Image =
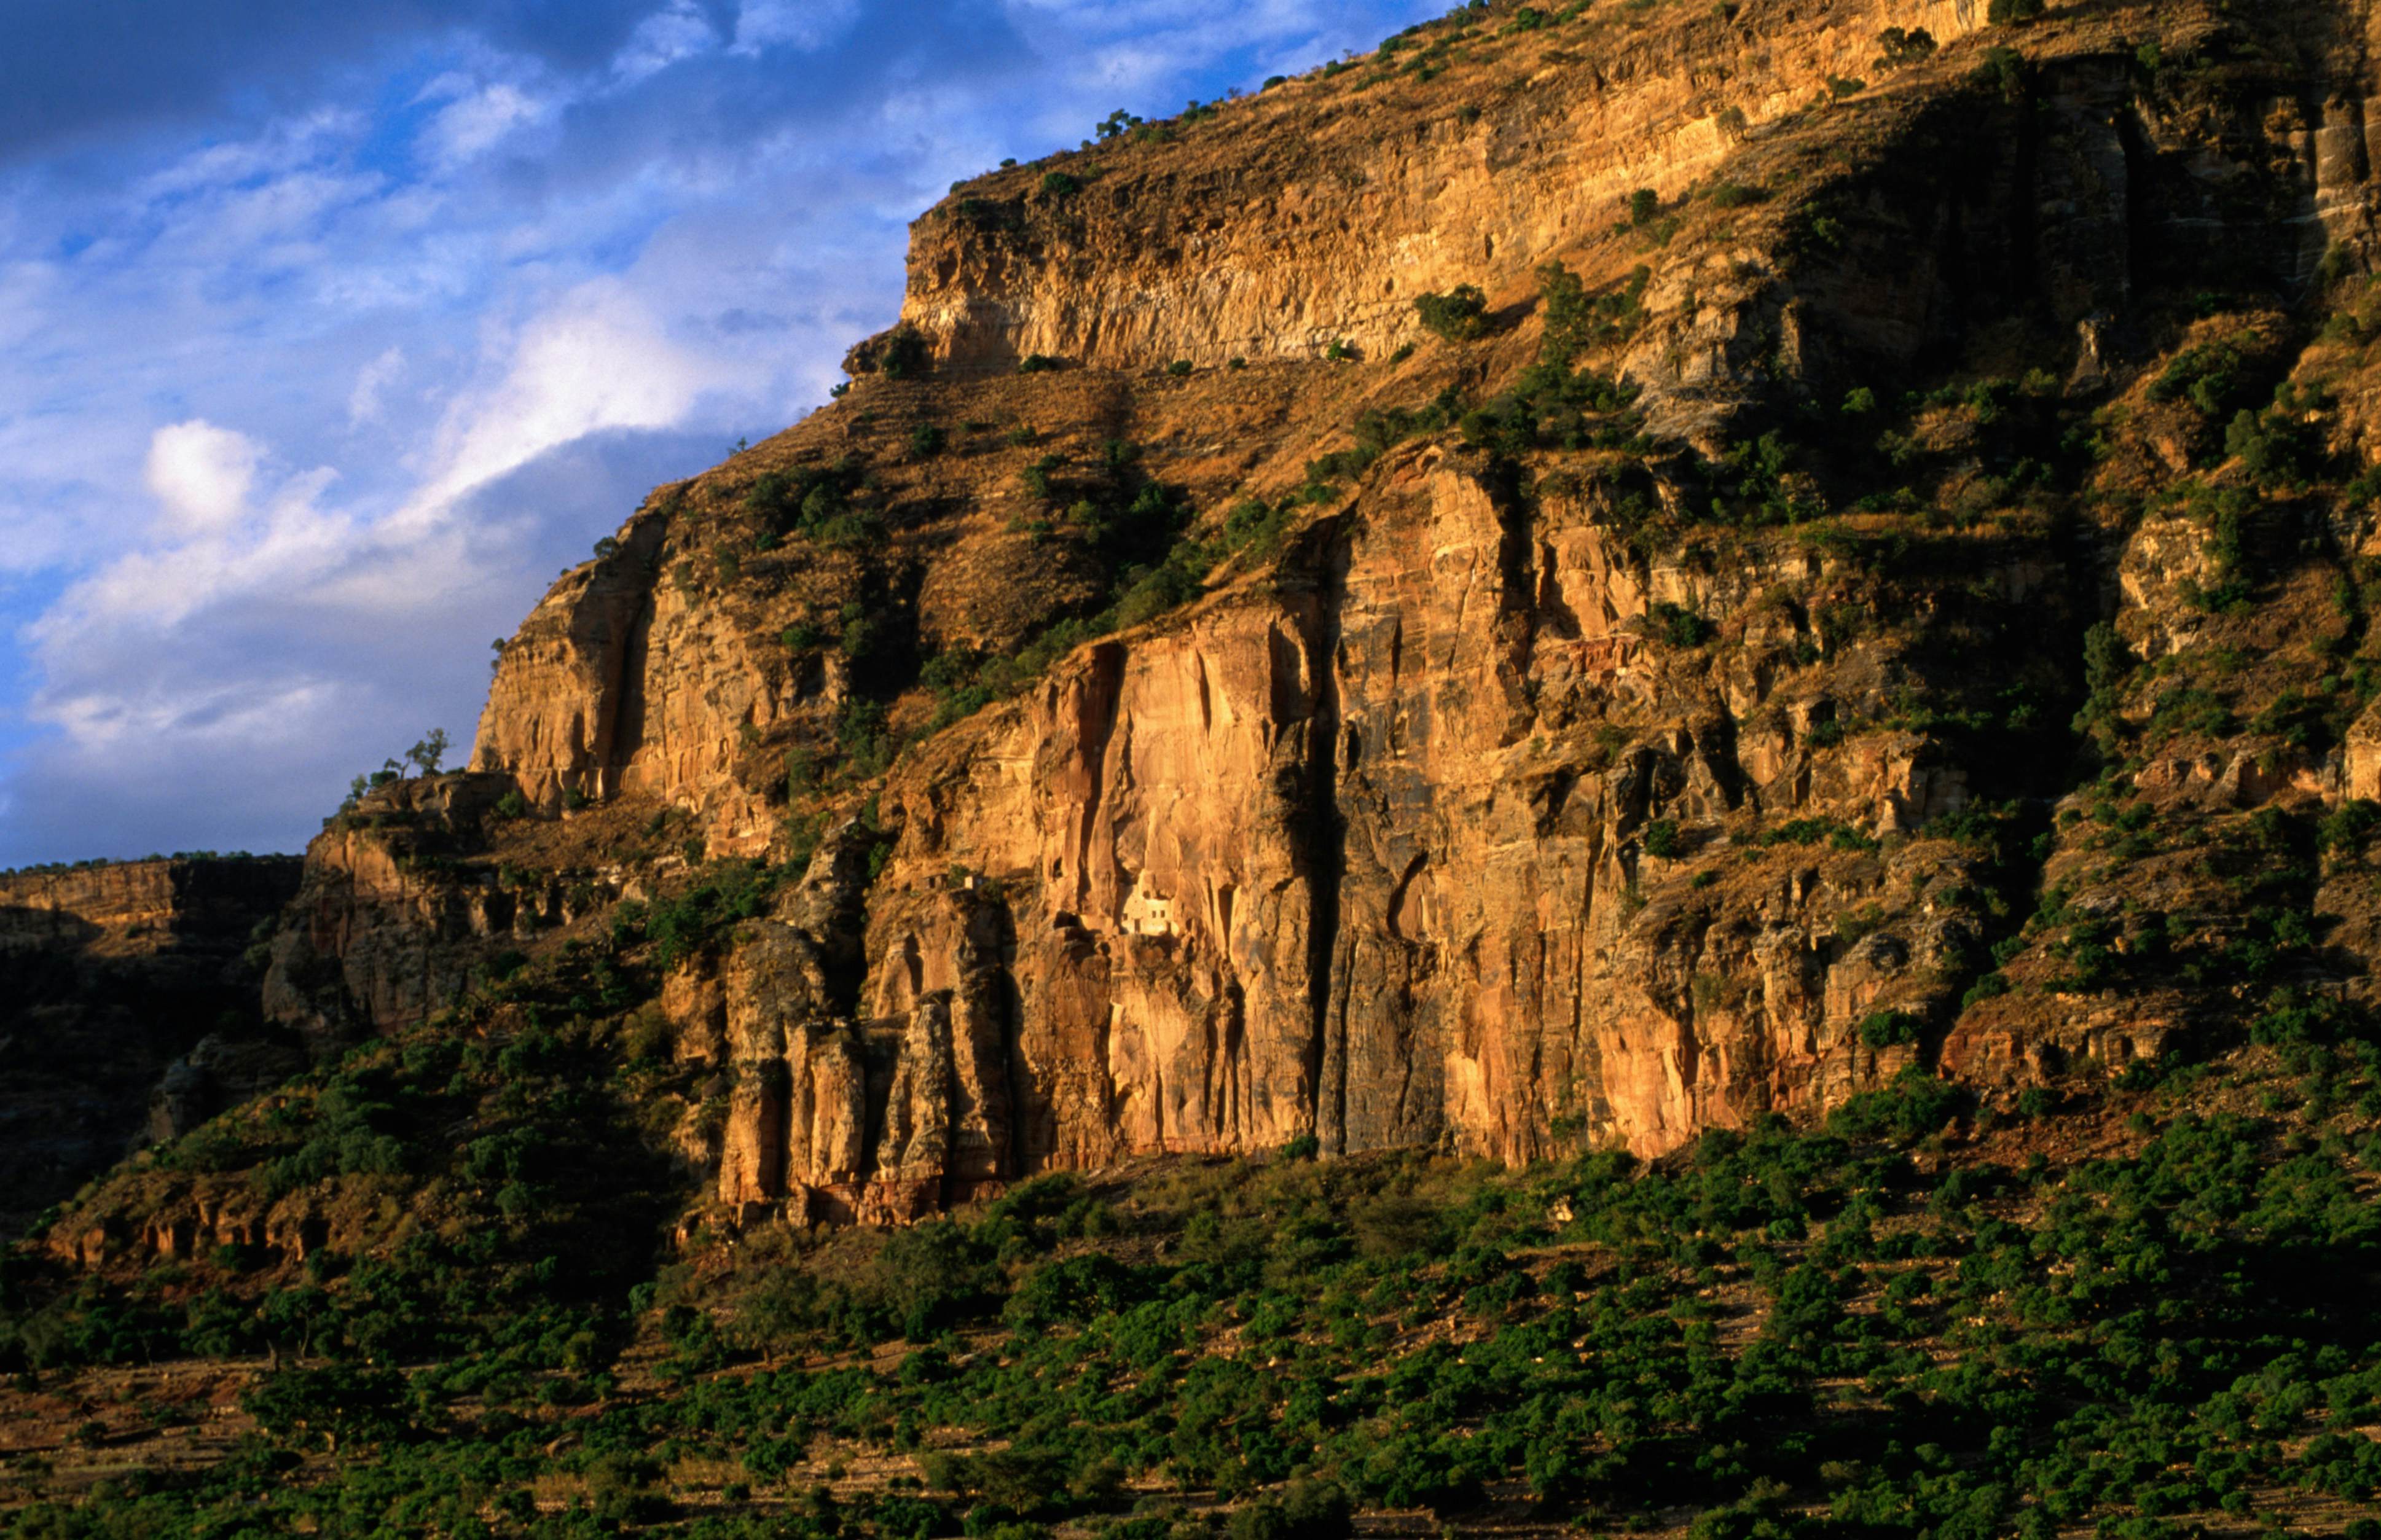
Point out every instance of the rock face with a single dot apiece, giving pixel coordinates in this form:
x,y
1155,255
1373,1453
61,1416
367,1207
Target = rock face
x,y
387,928
1330,860
1513,794
129,1011
1304,219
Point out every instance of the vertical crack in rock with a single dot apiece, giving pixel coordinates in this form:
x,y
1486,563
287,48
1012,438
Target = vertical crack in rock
x,y
1326,837
1012,1148
627,731
1096,730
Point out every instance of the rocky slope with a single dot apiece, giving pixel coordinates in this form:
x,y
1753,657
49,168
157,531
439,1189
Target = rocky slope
x,y
1819,612
130,1011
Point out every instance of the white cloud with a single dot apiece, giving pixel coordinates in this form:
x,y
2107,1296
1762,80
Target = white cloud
x,y
201,475
281,146
477,122
804,24
601,358
662,40
209,547
363,401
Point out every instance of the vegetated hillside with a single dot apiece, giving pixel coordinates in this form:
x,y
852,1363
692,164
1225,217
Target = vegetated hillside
x,y
1614,771
2142,1306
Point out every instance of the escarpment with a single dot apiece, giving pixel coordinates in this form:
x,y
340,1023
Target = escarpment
x,y
1312,217
1316,213
1859,608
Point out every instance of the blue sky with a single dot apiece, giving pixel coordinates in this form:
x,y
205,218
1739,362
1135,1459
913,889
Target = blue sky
x,y
331,332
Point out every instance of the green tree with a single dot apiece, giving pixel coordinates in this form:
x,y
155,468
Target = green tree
x,y
341,1402
427,754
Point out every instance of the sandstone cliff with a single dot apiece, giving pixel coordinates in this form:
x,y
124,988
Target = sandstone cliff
x,y
1318,214
1645,708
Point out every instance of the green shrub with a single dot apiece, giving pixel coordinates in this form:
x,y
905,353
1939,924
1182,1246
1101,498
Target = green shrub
x,y
2003,70
1375,430
1883,1029
2107,663
904,355
2276,447
822,504
1040,477
1574,318
2210,377
1020,1481
1680,626
1394,1226
1913,1106
730,892
1075,1289
1900,48
1305,1511
1459,316
1832,833
2351,827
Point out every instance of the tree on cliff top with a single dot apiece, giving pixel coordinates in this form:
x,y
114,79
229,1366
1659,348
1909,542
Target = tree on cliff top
x,y
426,755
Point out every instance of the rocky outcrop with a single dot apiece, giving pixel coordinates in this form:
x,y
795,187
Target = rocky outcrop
x,y
126,997
561,715
887,1118
1316,214
187,1220
627,680
1312,217
388,928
